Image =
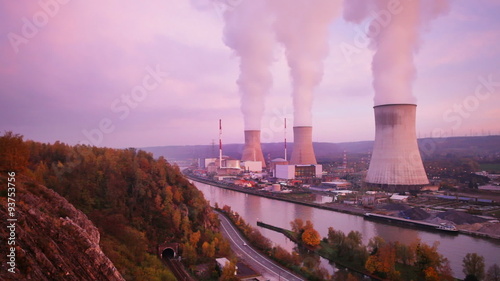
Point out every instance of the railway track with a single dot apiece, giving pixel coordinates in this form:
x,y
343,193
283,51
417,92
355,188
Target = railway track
x,y
177,269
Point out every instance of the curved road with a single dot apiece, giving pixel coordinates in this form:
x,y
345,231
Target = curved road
x,y
268,268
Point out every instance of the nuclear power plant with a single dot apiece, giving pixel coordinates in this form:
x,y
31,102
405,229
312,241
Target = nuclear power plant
x,y
396,164
252,151
303,152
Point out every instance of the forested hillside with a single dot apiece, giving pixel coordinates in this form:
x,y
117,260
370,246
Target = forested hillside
x,y
136,202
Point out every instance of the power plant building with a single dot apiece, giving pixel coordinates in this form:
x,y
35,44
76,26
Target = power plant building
x,y
274,163
252,166
396,164
289,172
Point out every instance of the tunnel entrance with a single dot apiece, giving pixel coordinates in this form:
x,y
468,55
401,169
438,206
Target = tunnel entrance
x,y
168,253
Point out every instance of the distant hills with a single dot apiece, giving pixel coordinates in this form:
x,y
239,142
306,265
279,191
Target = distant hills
x,y
430,148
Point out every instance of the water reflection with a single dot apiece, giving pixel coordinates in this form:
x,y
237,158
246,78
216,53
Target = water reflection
x,y
392,233
280,213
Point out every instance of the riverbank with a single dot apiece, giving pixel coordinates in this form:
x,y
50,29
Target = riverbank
x,y
336,207
280,196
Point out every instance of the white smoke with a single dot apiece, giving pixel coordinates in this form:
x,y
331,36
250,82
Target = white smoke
x,y
395,32
302,27
248,31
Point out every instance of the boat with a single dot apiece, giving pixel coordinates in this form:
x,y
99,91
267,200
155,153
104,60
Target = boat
x,y
447,227
441,227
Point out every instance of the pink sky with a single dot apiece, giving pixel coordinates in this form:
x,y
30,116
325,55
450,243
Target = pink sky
x,y
151,73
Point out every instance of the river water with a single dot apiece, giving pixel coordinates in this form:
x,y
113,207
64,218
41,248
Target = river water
x,y
279,213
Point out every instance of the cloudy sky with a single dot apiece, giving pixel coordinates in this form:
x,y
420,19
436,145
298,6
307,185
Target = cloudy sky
x,y
123,73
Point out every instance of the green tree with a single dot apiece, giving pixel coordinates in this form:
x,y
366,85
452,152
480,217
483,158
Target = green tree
x,y
473,264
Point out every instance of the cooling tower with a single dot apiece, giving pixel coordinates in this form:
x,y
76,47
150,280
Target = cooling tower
x,y
396,164
303,152
252,151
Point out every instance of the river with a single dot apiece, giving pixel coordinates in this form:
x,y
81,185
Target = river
x,y
280,213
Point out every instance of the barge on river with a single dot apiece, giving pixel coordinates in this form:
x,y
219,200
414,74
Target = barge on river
x,y
391,219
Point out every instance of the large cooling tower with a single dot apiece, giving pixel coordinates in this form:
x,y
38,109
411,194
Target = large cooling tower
x,y
252,151
396,163
303,152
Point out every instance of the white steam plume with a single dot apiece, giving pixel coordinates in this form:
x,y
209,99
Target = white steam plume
x,y
395,30
302,27
248,31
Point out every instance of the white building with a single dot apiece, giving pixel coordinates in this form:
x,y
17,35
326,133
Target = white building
x,y
289,172
252,166
222,262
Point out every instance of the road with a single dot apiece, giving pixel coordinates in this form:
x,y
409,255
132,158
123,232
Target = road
x,y
262,264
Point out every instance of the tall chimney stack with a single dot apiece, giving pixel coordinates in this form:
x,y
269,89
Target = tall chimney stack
x,y
252,151
303,152
396,164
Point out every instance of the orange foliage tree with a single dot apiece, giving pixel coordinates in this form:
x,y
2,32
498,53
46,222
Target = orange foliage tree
x,y
383,262
311,237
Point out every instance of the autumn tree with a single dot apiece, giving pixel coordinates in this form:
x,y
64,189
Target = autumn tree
x,y
208,249
375,243
404,254
14,153
229,272
493,273
297,225
383,262
285,257
132,198
311,237
473,265
427,257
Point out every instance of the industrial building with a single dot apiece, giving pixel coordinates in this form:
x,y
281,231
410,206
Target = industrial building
x,y
288,172
251,166
274,163
396,164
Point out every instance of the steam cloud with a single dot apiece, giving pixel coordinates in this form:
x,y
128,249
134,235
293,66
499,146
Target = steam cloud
x,y
395,34
248,31
302,27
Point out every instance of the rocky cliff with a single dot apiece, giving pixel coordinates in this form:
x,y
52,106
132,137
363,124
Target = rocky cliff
x,y
49,238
